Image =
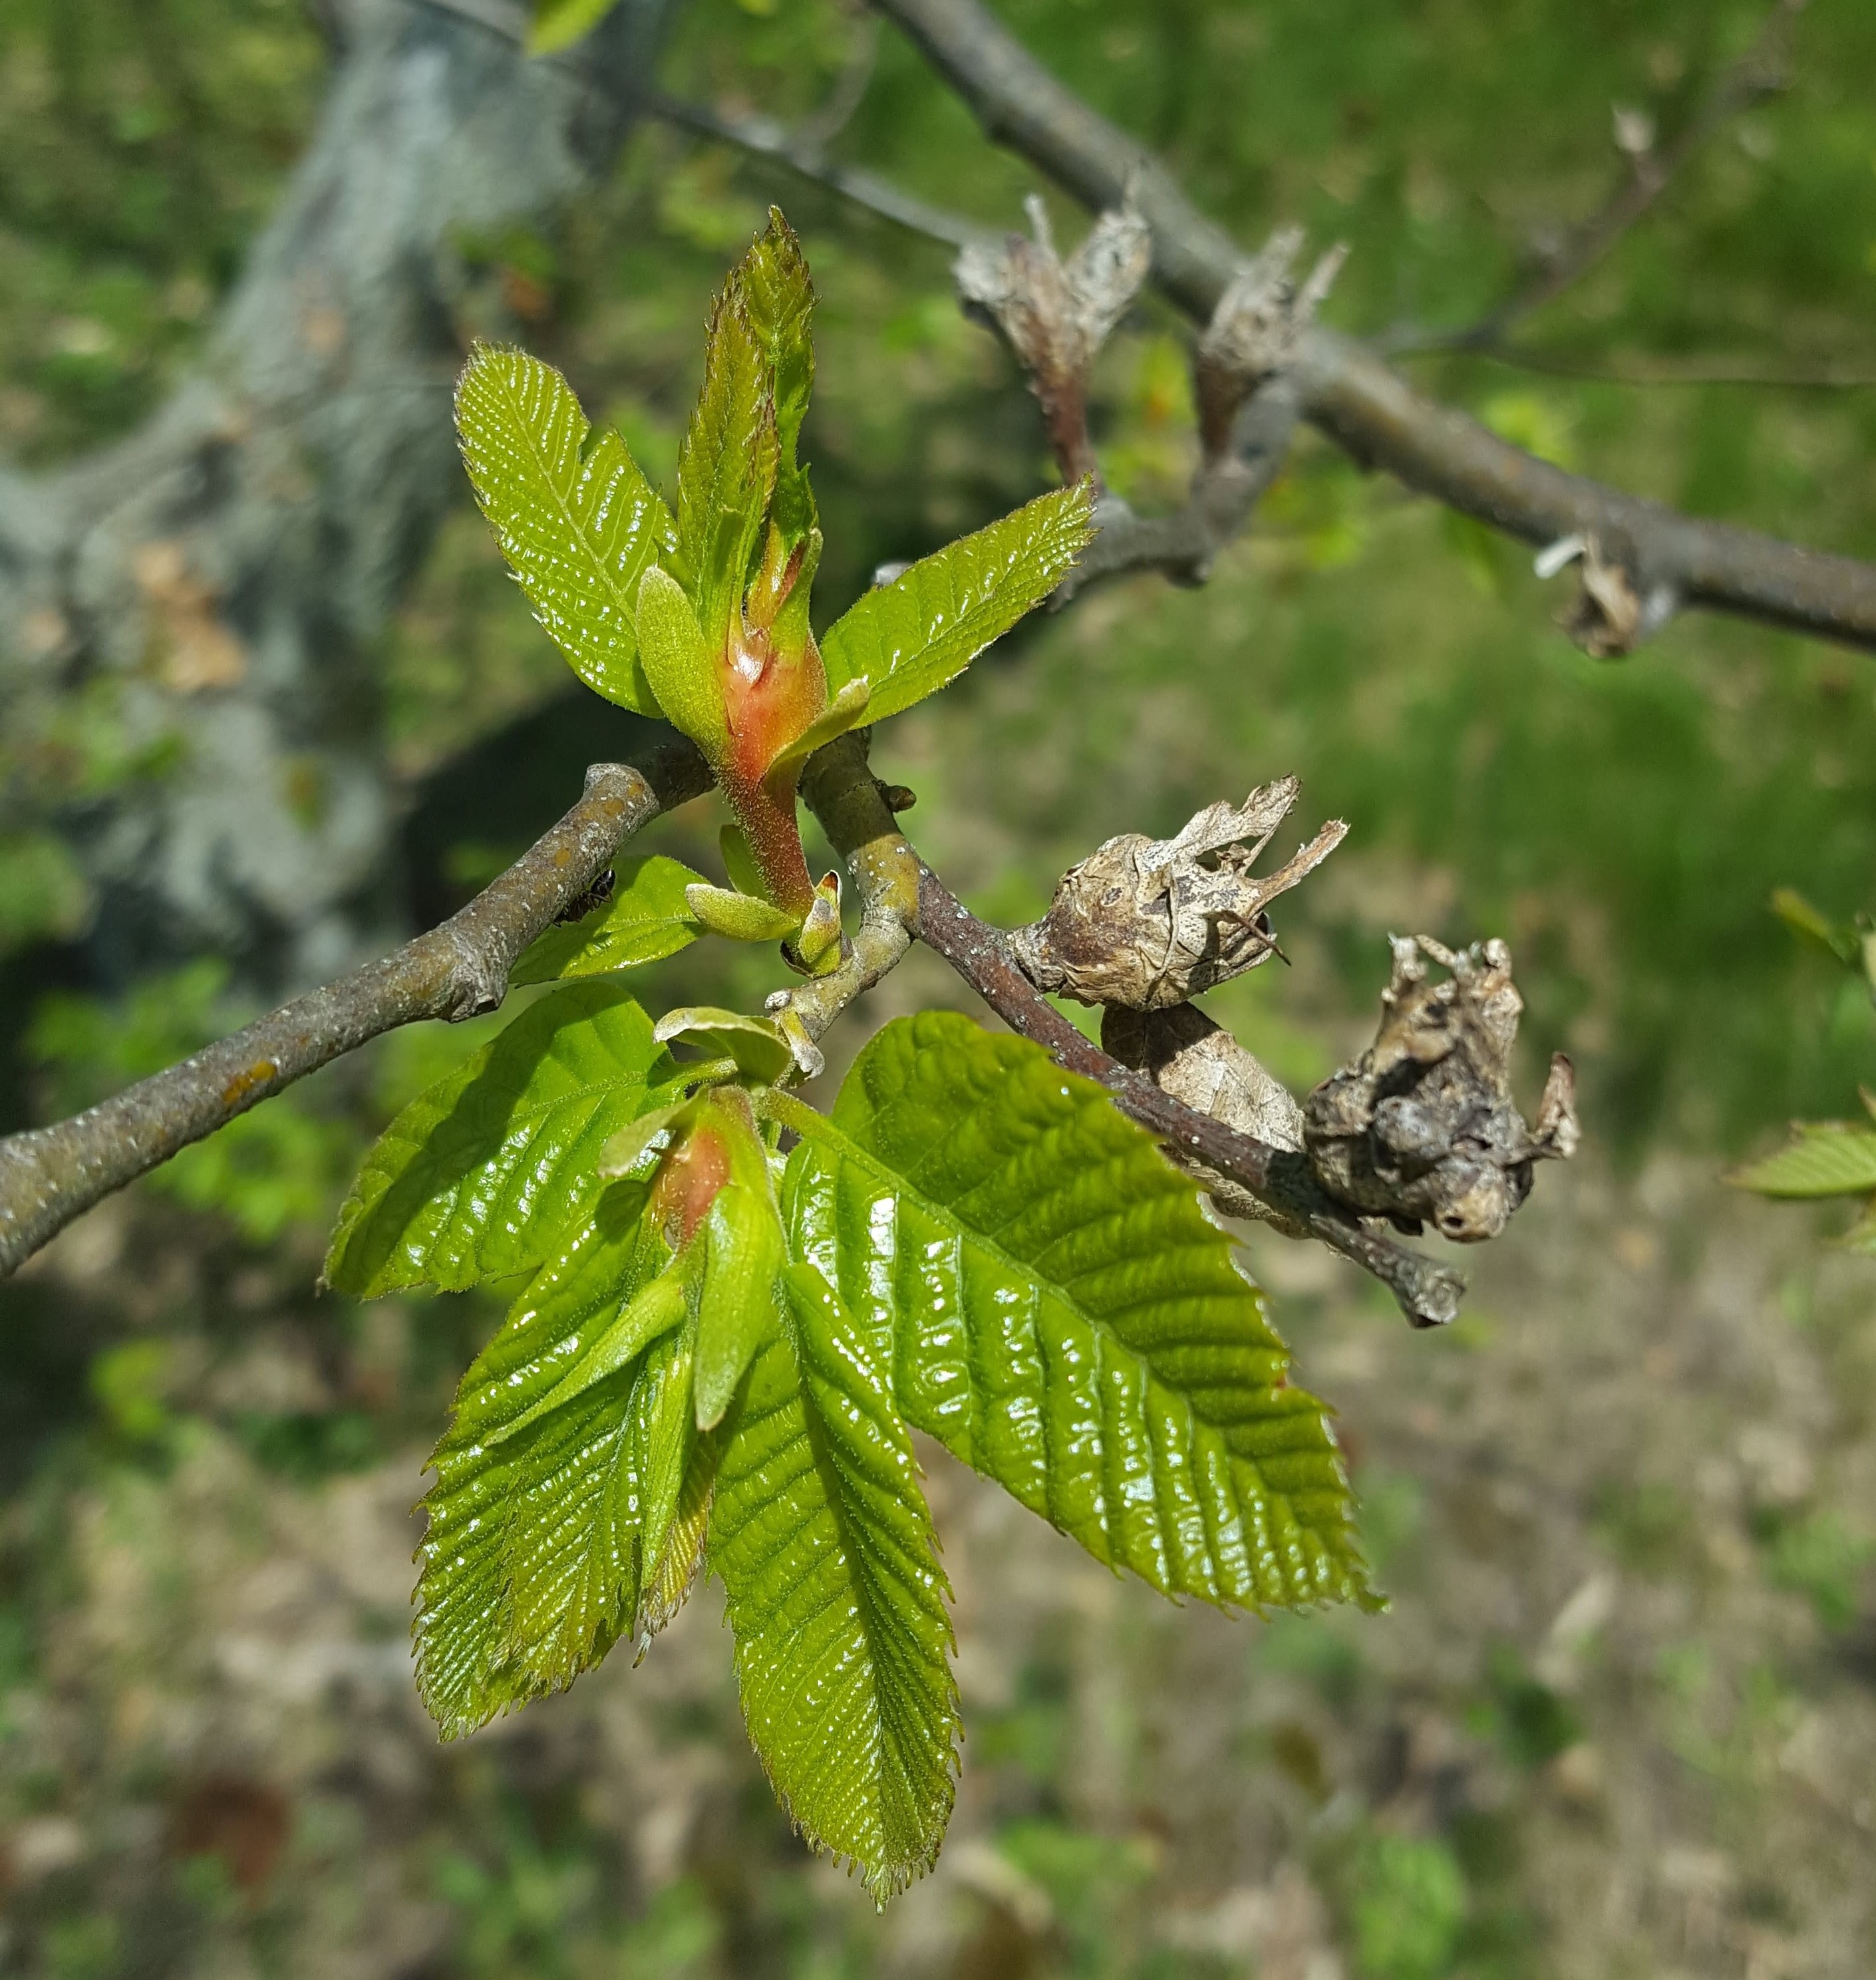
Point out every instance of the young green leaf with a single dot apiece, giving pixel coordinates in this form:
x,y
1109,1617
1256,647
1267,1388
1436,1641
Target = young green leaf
x,y
848,709
680,1490
531,1563
825,1546
743,1257
1062,1314
758,1046
574,517
906,639
650,1313
645,918
558,23
738,863
483,1175
686,676
738,917
1826,1159
727,471
779,299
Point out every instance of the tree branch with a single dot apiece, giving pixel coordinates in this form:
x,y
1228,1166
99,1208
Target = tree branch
x,y
806,158
48,1175
1356,399
1429,1293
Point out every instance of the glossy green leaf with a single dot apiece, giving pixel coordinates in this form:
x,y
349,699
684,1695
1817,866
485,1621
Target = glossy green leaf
x,y
743,1257
532,1560
480,1176
644,919
822,1536
1063,1315
727,470
909,638
558,23
647,1316
1826,1159
633,1143
686,676
574,517
680,1491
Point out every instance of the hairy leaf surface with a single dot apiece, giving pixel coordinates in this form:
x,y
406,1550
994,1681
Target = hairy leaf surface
x,y
483,1175
1062,1314
727,471
825,1545
534,1559
1827,1159
909,638
780,301
644,919
575,518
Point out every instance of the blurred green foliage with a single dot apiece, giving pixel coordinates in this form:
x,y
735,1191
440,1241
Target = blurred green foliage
x,y
1407,1902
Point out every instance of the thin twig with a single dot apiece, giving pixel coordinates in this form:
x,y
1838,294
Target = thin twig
x,y
1694,371
805,158
48,1175
1759,73
1183,546
1429,1293
1354,398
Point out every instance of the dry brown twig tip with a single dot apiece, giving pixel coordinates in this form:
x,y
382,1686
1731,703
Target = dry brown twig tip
x,y
1257,329
1422,1128
1146,924
1056,315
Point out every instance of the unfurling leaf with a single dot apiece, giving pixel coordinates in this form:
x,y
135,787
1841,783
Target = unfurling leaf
x,y
532,1560
823,1539
644,919
685,674
738,863
848,709
1827,1159
758,1046
742,1257
817,947
738,917
727,471
1061,1314
483,1174
779,299
575,518
908,639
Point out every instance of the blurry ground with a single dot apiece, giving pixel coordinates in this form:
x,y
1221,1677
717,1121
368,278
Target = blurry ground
x,y
1621,1718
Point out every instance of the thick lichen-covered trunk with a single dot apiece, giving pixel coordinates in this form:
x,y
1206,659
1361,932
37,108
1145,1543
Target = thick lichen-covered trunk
x,y
218,581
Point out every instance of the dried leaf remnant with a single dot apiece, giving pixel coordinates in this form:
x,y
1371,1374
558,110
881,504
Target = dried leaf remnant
x,y
1422,1128
1146,924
